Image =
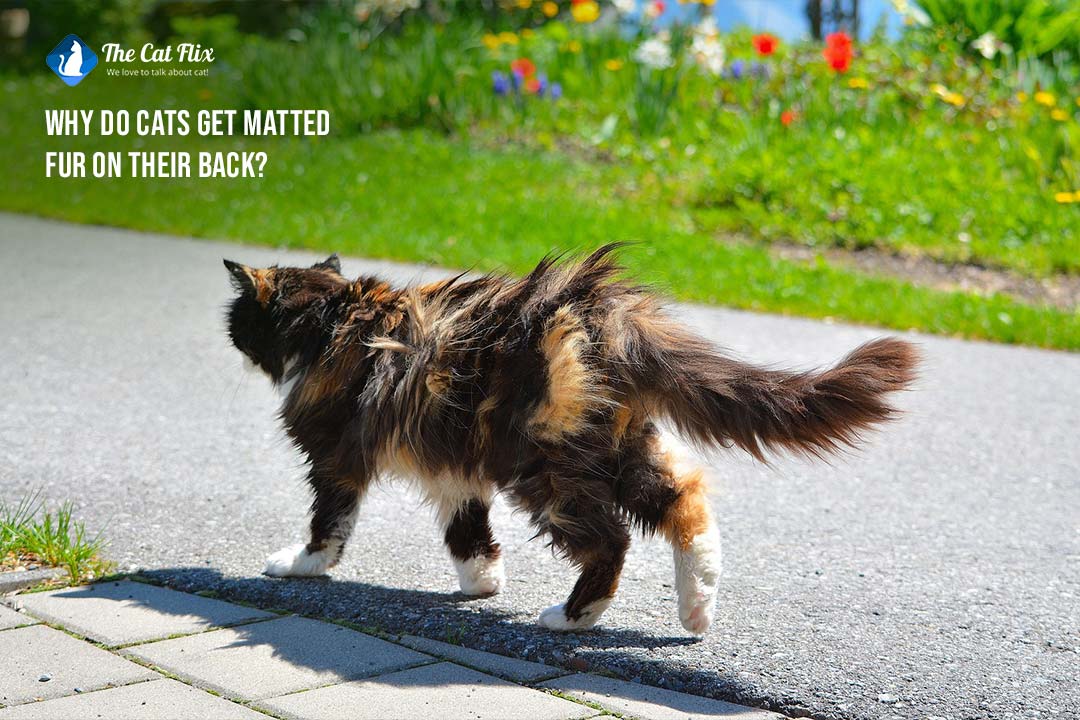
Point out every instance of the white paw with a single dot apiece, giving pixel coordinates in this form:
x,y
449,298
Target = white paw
x,y
480,575
697,579
554,618
296,561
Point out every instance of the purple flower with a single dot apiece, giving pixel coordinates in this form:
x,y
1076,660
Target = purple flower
x,y
737,69
556,91
500,83
542,78
760,70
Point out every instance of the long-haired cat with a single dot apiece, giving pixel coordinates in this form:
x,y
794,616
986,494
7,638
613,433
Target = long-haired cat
x,y
546,389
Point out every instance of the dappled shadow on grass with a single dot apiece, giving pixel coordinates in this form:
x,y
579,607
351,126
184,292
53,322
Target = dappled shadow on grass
x,y
454,617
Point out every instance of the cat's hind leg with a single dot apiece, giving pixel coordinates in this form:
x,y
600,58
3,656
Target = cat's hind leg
x,y
663,492
476,555
333,514
592,535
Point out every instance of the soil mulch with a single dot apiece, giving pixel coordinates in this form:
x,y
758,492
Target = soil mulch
x,y
1060,291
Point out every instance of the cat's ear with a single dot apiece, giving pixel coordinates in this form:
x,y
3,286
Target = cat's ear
x,y
331,263
241,275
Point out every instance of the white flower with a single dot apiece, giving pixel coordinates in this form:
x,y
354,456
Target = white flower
x,y
654,53
912,14
707,28
708,53
988,45
653,9
624,7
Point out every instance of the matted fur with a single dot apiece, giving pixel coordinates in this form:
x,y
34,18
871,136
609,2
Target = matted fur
x,y
545,388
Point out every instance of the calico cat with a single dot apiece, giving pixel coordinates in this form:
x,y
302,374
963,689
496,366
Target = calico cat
x,y
546,389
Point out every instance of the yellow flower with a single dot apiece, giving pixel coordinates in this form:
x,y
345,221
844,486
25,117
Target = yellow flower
x,y
1044,98
526,33
858,82
550,9
491,42
953,98
524,4
1078,102
1067,197
1059,114
613,64
508,38
573,46
1021,97
585,12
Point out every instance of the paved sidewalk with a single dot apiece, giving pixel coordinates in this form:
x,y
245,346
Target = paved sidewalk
x,y
125,649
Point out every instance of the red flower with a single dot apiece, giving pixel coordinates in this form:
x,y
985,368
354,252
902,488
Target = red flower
x,y
523,68
765,44
838,52
838,39
787,117
533,85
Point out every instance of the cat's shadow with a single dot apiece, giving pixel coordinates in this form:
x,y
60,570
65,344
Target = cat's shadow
x,y
651,659
436,615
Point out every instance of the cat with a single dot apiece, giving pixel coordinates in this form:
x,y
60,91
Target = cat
x,y
72,67
546,389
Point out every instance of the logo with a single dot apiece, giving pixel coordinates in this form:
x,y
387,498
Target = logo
x,y
72,60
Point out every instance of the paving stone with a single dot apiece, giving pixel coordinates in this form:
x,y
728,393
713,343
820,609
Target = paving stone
x,y
22,579
650,703
162,699
31,653
11,619
521,671
118,613
444,690
276,657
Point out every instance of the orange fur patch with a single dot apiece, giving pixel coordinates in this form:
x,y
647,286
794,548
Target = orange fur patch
x,y
570,392
482,435
627,420
437,381
263,280
688,516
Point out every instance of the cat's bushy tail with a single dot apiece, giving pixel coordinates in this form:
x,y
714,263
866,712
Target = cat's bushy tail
x,y
713,399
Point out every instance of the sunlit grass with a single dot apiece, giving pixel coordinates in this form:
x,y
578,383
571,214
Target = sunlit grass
x,y
32,534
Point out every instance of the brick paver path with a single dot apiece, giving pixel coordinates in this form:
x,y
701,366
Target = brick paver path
x,y
126,649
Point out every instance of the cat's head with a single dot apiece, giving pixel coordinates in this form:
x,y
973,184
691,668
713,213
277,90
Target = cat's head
x,y
266,318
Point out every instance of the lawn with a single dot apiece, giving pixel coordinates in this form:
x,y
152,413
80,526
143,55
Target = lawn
x,y
429,162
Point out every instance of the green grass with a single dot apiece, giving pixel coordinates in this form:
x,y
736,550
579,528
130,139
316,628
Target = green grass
x,y
52,537
420,196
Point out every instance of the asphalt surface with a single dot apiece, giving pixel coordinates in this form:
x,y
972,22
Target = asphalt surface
x,y
936,573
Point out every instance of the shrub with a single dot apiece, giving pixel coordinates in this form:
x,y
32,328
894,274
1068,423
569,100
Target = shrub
x,y
1030,27
411,73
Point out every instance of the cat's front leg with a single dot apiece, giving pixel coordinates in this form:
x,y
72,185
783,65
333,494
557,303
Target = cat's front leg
x,y
476,555
333,514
